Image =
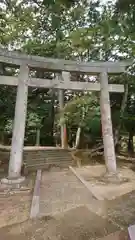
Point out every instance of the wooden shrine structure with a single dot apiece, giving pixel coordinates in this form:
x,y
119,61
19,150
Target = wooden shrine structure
x,y
62,69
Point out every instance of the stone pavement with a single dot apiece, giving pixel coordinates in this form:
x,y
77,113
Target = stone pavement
x,y
67,203
75,224
75,214
68,212
61,191
80,224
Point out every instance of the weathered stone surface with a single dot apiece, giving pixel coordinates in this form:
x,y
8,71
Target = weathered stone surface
x,y
13,181
61,64
107,132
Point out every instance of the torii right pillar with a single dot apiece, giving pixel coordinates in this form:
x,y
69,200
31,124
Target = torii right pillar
x,y
107,131
63,125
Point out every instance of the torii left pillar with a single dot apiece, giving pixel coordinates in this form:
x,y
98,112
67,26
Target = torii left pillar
x,y
16,155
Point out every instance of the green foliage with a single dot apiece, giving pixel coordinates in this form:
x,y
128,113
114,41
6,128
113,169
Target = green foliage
x,y
33,121
123,5
93,126
70,30
81,111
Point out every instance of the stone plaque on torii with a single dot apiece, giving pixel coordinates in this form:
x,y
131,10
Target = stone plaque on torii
x,y
62,81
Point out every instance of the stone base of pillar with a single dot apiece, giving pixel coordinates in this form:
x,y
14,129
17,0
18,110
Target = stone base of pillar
x,y
13,183
114,178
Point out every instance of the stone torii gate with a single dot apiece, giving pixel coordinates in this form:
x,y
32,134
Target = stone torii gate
x,y
63,68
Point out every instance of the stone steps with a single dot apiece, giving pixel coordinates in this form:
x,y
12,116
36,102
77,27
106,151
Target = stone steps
x,y
42,158
48,158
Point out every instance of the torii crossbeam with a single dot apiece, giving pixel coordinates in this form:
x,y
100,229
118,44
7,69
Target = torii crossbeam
x,y
63,68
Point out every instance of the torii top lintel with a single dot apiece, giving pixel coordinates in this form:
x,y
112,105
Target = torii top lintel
x,y
16,58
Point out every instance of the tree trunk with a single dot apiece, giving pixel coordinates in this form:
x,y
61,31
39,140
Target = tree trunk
x,y
78,135
52,115
38,137
130,143
65,138
123,106
109,150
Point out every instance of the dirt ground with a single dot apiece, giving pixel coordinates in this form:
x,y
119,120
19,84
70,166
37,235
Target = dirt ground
x,y
15,205
76,224
14,209
110,191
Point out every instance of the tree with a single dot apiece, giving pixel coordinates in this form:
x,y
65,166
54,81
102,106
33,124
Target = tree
x,y
79,113
71,30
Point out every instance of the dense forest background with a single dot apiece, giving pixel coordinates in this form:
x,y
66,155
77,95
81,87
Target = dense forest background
x,y
78,30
